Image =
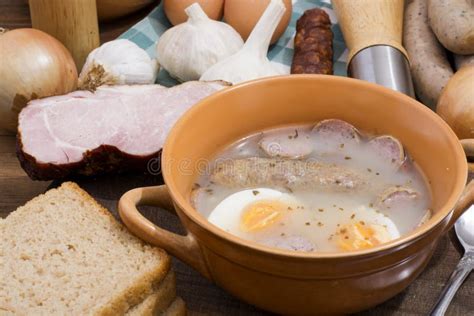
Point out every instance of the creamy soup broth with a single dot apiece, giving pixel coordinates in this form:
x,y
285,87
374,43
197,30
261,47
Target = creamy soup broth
x,y
333,189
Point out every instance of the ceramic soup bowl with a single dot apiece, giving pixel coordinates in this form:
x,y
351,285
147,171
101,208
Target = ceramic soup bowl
x,y
290,282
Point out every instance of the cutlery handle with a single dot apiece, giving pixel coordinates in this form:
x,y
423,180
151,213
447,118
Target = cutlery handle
x,y
458,276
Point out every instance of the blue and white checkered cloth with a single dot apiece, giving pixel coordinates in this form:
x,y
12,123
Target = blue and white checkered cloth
x,y
146,32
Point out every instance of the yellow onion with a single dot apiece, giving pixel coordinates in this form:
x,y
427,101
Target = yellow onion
x,y
33,65
456,103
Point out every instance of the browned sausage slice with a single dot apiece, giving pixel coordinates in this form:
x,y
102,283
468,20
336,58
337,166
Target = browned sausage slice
x,y
313,44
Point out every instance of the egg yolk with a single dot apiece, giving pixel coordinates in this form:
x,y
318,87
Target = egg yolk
x,y
261,214
360,236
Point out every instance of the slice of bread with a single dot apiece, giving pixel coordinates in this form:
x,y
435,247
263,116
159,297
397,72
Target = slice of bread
x,y
62,253
177,308
159,301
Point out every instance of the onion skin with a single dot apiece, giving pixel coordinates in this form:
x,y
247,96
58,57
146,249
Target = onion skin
x,y
242,15
456,103
174,9
34,65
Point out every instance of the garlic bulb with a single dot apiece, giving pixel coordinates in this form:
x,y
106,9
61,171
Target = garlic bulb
x,y
188,49
118,62
251,61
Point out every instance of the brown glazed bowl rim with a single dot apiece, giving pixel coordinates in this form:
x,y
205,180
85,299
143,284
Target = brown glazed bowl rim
x,y
349,83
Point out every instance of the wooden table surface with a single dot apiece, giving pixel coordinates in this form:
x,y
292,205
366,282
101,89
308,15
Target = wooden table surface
x,y
16,14
202,297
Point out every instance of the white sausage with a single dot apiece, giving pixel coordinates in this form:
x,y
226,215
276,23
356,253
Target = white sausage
x,y
428,62
453,23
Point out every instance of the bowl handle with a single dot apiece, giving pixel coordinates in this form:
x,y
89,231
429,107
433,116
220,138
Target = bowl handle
x,y
466,200
185,248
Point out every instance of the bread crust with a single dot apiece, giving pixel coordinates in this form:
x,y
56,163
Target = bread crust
x,y
159,301
177,308
144,286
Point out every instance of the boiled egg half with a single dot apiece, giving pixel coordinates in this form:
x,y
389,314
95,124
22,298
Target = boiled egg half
x,y
367,228
252,211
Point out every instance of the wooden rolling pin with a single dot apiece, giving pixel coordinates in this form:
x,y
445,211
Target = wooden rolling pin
x,y
372,31
73,22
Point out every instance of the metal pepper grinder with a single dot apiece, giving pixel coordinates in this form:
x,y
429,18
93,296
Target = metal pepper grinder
x,y
372,31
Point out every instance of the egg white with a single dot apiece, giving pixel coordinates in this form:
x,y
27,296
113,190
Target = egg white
x,y
371,216
366,228
227,214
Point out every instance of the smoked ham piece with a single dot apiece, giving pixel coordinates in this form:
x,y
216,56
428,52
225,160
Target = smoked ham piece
x,y
115,128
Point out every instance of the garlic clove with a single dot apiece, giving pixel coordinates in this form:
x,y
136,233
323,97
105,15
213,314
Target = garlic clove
x,y
241,67
118,62
251,61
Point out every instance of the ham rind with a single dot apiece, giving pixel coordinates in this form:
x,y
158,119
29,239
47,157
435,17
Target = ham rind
x,y
116,128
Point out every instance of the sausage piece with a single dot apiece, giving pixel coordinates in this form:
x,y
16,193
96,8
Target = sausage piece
x,y
395,197
429,65
292,174
280,143
313,44
335,129
453,23
389,149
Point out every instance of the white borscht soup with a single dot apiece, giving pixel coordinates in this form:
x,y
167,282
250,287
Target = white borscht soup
x,y
315,188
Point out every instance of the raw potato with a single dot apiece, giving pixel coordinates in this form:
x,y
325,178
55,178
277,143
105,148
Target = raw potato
x,y
456,104
453,23
430,68
463,61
